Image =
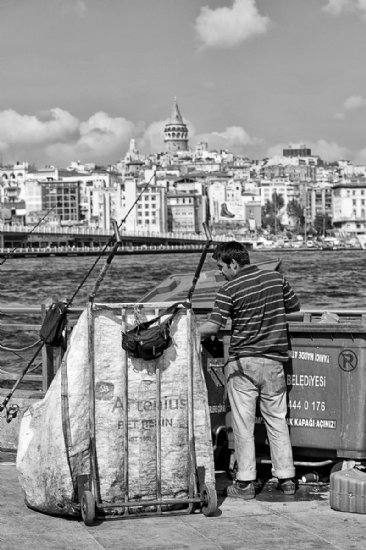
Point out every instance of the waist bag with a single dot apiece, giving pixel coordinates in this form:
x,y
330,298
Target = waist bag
x,y
147,342
53,325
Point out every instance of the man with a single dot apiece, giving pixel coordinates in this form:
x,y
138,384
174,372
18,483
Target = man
x,y
257,302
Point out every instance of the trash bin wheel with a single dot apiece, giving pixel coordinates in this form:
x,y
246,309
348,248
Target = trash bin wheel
x,y
88,511
208,499
337,467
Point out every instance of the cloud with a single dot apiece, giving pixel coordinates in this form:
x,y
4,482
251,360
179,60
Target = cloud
x,y
351,103
57,136
354,102
227,27
328,151
337,7
235,139
99,138
51,125
152,140
360,157
209,85
74,7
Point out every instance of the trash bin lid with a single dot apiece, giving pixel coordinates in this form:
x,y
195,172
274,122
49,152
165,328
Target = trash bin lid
x,y
175,287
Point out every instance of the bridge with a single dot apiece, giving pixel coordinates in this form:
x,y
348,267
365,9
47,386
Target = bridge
x,y
73,251
48,235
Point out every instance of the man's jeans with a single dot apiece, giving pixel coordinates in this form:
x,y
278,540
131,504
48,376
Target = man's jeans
x,y
247,379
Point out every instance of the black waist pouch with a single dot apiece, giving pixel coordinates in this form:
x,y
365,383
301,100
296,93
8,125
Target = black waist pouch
x,y
147,342
53,326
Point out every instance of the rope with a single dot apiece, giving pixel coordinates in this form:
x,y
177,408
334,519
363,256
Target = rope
x,y
2,371
19,349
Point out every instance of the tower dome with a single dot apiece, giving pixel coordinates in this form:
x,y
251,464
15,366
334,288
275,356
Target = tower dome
x,y
176,131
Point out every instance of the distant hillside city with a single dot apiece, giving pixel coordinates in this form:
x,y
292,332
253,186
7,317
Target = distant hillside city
x,y
295,193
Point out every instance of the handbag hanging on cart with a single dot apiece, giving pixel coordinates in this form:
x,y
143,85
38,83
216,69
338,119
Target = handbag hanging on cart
x,y
149,342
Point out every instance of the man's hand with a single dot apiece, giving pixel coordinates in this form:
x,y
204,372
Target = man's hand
x,y
208,329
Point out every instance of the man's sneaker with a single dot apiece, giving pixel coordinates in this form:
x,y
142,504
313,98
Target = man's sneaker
x,y
241,489
287,486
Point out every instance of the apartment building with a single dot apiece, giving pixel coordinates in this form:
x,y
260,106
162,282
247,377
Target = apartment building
x,y
63,197
150,213
319,200
349,206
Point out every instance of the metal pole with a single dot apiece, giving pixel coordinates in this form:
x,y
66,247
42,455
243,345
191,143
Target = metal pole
x,y
306,197
125,411
275,212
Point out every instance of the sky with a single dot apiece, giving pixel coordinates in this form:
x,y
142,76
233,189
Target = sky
x,y
80,78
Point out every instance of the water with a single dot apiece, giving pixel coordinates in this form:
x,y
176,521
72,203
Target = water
x,y
321,279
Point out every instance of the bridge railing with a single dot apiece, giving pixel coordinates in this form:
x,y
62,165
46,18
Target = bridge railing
x,y
90,231
95,249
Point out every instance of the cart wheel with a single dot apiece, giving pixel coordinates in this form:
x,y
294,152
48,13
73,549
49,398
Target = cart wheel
x,y
208,499
88,512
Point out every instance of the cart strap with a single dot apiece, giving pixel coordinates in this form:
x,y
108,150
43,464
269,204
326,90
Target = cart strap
x,y
74,459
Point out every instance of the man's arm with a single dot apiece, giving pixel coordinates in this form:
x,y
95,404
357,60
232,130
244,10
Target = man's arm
x,y
208,329
219,315
292,303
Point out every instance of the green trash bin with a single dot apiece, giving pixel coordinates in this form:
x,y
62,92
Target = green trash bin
x,y
326,381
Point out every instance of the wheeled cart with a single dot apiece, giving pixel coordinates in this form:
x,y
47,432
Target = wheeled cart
x,y
155,411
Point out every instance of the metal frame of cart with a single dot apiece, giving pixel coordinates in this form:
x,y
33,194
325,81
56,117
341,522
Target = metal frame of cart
x,y
199,496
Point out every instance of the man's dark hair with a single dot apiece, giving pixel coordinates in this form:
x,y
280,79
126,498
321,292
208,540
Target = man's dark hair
x,y
232,250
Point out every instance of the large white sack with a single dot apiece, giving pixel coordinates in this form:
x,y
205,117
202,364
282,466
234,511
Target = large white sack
x,y
42,461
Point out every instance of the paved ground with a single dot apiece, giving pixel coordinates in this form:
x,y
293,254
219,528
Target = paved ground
x,y
272,521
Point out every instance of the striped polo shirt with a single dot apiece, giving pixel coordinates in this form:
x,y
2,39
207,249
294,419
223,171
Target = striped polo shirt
x,y
257,302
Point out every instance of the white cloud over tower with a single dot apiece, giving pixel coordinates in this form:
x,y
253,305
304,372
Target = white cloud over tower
x,y
226,27
338,7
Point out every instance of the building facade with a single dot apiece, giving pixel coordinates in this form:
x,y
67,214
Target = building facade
x,y
349,207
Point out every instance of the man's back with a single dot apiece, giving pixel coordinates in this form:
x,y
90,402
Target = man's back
x,y
257,302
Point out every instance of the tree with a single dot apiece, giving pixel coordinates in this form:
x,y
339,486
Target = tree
x,y
296,212
322,222
271,210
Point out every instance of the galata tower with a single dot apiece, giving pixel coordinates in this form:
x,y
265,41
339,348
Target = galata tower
x,y
176,132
